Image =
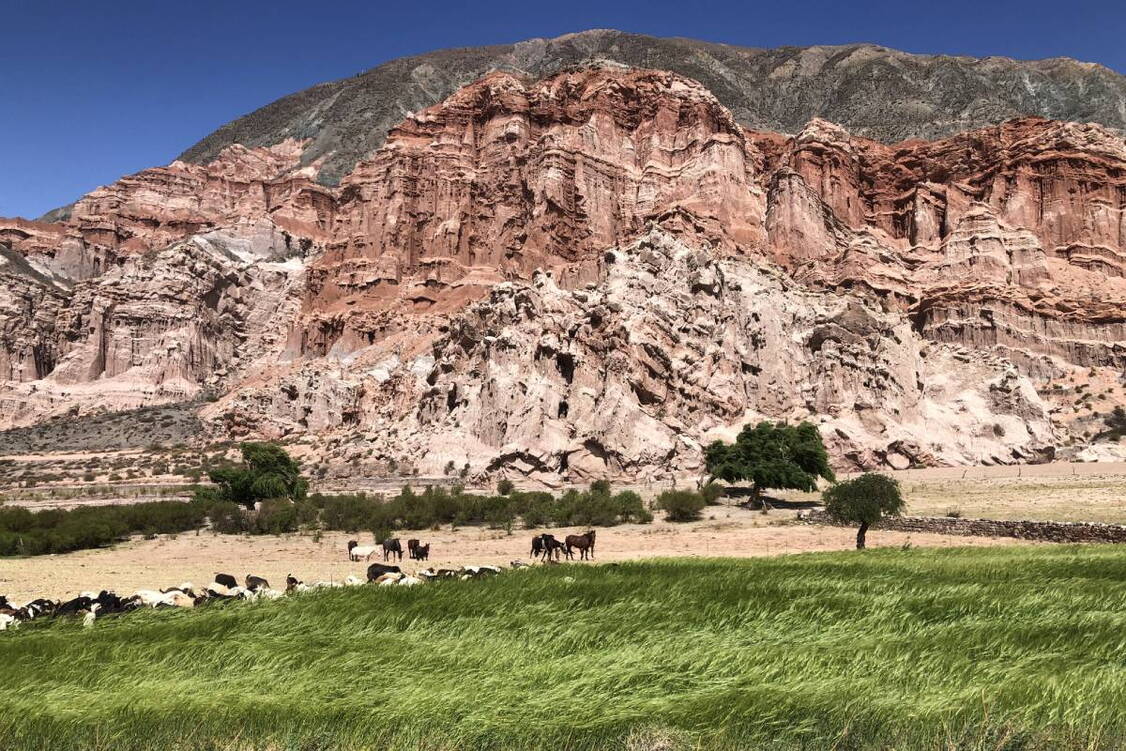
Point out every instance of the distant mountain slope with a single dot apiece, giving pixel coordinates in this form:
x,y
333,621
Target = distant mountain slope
x,y
873,91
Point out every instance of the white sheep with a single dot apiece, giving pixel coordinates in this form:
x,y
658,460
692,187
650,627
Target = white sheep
x,y
8,621
409,581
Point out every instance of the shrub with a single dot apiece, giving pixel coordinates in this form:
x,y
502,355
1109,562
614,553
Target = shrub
x,y
505,487
681,505
712,492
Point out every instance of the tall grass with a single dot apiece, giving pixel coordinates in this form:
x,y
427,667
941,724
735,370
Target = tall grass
x,y
1000,648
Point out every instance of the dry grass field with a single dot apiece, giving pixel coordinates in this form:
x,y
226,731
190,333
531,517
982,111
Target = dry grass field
x,y
728,531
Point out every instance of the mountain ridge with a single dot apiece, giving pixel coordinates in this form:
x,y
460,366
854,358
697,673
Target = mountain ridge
x,y
871,90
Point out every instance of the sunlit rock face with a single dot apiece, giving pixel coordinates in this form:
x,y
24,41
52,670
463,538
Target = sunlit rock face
x,y
591,274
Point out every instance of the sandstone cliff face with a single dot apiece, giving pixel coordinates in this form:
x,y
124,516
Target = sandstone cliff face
x,y
591,274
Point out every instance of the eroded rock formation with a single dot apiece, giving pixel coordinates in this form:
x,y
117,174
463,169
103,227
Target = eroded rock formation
x,y
591,274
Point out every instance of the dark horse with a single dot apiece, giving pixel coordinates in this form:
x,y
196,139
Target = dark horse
x,y
392,547
547,546
585,544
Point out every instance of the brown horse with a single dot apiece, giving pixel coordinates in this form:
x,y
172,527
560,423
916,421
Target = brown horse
x,y
585,544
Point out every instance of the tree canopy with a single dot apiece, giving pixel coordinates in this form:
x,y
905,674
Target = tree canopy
x,y
267,472
864,500
772,455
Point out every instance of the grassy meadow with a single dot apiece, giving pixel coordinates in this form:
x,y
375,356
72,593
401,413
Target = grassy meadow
x,y
994,648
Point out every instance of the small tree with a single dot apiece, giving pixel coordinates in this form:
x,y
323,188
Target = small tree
x,y
267,472
505,486
771,455
864,500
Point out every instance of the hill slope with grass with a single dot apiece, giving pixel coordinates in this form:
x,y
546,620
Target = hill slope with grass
x,y
998,648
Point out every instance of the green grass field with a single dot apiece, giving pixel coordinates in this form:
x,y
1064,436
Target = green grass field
x,y
1006,648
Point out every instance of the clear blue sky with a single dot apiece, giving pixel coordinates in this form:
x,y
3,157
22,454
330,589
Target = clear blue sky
x,y
95,90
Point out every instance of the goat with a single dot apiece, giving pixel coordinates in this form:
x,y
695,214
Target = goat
x,y
91,614
292,583
356,551
226,580
391,548
377,570
254,583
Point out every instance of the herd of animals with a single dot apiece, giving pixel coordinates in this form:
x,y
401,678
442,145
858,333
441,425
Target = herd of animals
x,y
544,546
90,606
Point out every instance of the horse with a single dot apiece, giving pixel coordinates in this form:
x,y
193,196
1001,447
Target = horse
x,y
412,548
551,547
585,544
392,547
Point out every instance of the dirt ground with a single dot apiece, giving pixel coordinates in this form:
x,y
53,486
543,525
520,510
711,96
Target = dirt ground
x,y
168,561
1092,492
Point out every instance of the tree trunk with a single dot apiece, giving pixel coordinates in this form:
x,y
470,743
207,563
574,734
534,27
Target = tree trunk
x,y
860,535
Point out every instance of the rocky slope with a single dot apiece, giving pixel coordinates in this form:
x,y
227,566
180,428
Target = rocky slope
x,y
591,274
872,91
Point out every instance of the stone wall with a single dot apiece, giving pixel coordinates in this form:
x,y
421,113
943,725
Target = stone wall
x,y
1025,530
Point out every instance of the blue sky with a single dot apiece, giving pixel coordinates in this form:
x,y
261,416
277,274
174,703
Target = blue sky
x,y
92,91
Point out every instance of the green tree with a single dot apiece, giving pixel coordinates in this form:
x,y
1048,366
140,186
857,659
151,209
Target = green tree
x,y
505,487
267,472
863,500
771,455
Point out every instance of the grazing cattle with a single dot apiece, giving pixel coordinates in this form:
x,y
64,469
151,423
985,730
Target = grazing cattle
x,y
254,583
226,580
391,548
377,570
356,551
585,544
292,583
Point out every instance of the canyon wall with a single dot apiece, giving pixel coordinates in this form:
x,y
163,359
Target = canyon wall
x,y
594,273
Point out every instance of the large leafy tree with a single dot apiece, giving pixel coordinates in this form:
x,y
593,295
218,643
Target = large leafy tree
x,y
267,472
771,455
863,500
